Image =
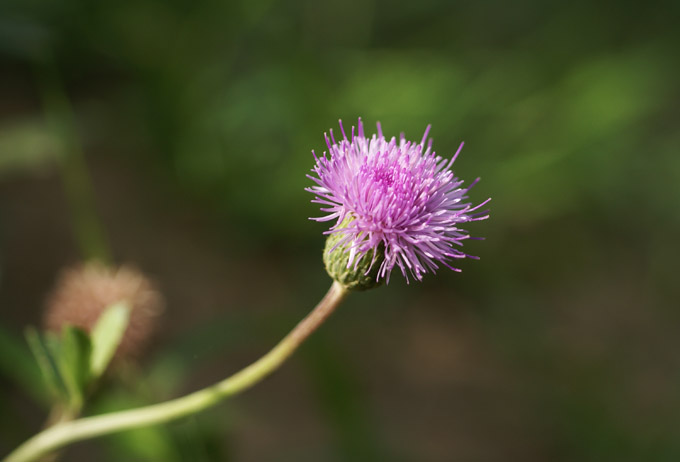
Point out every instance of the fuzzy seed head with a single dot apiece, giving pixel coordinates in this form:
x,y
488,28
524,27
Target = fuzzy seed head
x,y
83,292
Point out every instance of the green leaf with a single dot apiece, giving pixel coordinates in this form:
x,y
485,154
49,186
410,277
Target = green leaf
x,y
16,362
106,336
74,363
44,355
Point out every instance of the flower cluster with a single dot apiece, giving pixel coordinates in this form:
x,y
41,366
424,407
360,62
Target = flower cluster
x,y
394,202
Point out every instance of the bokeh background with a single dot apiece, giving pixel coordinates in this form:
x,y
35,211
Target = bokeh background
x,y
195,121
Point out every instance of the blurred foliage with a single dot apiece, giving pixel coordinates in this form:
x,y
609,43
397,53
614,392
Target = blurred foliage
x,y
570,115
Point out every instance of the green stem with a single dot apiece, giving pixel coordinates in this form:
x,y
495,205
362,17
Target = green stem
x,y
58,415
89,427
88,230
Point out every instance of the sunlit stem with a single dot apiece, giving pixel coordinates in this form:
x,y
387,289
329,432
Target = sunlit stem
x,y
68,432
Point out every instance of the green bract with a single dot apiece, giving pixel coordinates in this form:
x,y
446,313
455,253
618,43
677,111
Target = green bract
x,y
361,274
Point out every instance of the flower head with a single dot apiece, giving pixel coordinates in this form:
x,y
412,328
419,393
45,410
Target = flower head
x,y
83,292
394,202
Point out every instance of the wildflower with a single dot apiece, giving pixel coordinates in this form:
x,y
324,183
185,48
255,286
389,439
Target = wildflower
x,y
82,293
394,202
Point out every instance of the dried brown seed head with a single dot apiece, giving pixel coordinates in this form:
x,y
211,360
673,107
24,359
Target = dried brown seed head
x,y
83,292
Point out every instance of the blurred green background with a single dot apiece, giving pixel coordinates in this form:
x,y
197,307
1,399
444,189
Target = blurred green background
x,y
196,120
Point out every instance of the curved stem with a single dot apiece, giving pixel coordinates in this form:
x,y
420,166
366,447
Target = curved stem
x,y
59,414
89,427
89,233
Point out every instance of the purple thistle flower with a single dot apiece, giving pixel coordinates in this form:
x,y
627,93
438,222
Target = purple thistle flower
x,y
396,198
